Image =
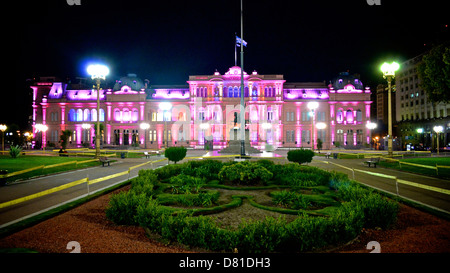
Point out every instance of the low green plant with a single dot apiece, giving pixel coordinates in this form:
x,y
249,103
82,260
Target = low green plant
x,y
14,151
300,156
175,154
122,207
245,173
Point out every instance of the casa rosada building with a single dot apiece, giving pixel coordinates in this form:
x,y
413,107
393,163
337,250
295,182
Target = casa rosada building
x,y
276,112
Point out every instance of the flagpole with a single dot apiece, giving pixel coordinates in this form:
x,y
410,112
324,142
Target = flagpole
x,y
235,49
242,86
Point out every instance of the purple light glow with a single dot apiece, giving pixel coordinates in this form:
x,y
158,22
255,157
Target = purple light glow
x,y
84,95
295,94
349,89
171,94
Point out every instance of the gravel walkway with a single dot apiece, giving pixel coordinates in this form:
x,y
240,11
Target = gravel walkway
x,y
87,224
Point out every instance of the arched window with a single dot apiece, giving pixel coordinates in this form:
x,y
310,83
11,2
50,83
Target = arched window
x,y
79,115
339,116
102,114
236,92
349,116
126,115
86,115
72,115
266,92
230,92
154,116
270,92
135,115
94,114
117,115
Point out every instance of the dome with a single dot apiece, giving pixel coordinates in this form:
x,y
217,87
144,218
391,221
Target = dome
x,y
344,79
131,80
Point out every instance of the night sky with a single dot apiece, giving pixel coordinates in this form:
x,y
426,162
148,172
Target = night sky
x,y
166,41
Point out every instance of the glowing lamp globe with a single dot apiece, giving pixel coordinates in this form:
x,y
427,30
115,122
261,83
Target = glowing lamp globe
x,y
98,71
313,105
321,125
389,69
438,129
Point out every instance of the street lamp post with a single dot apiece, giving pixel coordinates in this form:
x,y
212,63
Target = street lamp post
x,y
98,72
389,74
3,129
438,129
371,126
42,128
312,106
145,126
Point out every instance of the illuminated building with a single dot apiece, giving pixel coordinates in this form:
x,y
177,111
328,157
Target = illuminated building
x,y
276,111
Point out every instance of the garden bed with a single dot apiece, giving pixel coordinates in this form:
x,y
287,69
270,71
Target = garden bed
x,y
250,206
414,232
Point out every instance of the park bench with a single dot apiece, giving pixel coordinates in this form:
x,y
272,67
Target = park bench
x,y
328,155
147,155
373,161
104,160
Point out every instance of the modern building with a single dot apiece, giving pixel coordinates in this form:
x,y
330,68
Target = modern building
x,y
276,112
415,115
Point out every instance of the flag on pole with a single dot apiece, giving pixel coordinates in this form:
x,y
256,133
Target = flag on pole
x,y
240,41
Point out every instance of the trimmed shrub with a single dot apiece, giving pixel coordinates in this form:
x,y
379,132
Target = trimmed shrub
x,y
245,173
122,207
175,154
300,156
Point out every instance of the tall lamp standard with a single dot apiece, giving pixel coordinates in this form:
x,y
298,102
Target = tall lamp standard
x,y
144,126
313,106
371,126
165,107
3,129
389,74
98,72
438,129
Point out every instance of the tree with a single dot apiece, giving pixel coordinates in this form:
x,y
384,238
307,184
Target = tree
x,y
175,154
300,156
65,137
434,73
319,144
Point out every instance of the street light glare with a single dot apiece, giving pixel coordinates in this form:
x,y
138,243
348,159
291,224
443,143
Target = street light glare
x,y
98,71
438,129
389,68
313,105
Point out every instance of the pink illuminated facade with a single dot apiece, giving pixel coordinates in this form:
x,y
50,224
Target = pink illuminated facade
x,y
276,112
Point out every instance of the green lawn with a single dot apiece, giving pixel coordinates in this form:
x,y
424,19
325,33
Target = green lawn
x,y
429,161
29,161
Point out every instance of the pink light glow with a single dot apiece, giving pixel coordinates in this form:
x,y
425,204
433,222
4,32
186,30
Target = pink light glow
x,y
349,88
171,94
84,95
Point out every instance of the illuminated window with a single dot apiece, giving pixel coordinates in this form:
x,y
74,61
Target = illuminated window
x,y
117,115
358,115
135,115
79,115
339,116
349,115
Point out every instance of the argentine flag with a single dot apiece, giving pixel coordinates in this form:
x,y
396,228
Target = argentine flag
x,y
240,41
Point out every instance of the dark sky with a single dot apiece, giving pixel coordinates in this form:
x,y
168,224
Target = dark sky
x,y
166,41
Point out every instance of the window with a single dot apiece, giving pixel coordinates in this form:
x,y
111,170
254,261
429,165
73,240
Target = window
x,y
72,115
117,115
94,114
339,116
236,92
79,115
135,115
230,91
270,114
358,115
349,116
87,115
